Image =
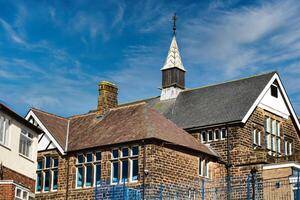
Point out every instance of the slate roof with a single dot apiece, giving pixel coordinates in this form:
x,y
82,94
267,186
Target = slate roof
x,y
56,125
210,105
124,124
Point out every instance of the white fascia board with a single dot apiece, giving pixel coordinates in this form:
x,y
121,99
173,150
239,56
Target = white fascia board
x,y
283,165
286,99
276,112
31,113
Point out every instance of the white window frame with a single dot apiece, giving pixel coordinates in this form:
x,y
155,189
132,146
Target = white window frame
x,y
254,136
215,134
112,172
202,165
212,132
84,165
119,160
25,134
22,193
97,162
223,129
203,133
6,124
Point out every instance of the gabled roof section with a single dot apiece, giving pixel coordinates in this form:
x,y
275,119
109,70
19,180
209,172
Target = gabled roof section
x,y
57,126
227,102
18,118
173,59
128,124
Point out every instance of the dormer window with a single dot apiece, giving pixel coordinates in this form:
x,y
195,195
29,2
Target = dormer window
x,y
274,91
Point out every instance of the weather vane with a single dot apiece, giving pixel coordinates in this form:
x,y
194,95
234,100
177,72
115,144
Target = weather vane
x,y
174,18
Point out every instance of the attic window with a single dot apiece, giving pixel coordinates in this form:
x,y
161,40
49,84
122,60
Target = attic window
x,y
274,91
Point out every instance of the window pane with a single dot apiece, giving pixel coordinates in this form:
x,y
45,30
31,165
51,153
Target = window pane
x,y
39,181
54,180
125,171
115,153
217,134
55,162
25,195
1,129
135,170
89,176
200,166
254,136
115,172
98,174
48,162
80,158
124,152
5,134
274,127
19,191
47,181
135,150
274,91
210,135
205,168
39,164
203,136
98,156
79,176
224,135
89,157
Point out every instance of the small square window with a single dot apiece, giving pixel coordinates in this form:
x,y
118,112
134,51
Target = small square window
x,y
98,156
80,158
274,91
135,150
89,157
115,153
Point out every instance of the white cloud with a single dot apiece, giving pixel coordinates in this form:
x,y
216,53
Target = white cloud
x,y
11,32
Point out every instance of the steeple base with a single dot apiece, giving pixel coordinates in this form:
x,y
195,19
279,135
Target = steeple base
x,y
170,93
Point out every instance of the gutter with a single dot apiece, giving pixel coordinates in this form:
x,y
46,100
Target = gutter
x,y
213,125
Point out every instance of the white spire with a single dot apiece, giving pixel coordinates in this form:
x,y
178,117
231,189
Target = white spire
x,y
173,59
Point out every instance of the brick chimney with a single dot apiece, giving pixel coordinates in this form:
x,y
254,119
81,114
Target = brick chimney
x,y
108,96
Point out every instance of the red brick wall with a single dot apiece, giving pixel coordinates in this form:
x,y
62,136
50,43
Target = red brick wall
x,y
18,178
7,192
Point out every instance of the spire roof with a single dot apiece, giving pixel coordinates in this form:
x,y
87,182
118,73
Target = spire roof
x,y
173,59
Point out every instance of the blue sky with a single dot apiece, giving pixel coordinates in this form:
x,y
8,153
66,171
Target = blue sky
x,y
54,53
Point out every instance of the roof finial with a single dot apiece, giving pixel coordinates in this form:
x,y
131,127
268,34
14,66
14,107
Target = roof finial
x,y
174,18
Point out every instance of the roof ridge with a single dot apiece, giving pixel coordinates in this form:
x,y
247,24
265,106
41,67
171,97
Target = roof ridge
x,y
230,81
82,115
137,101
127,106
111,109
47,113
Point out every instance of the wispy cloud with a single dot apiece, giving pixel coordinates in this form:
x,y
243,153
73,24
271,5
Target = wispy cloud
x,y
11,32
